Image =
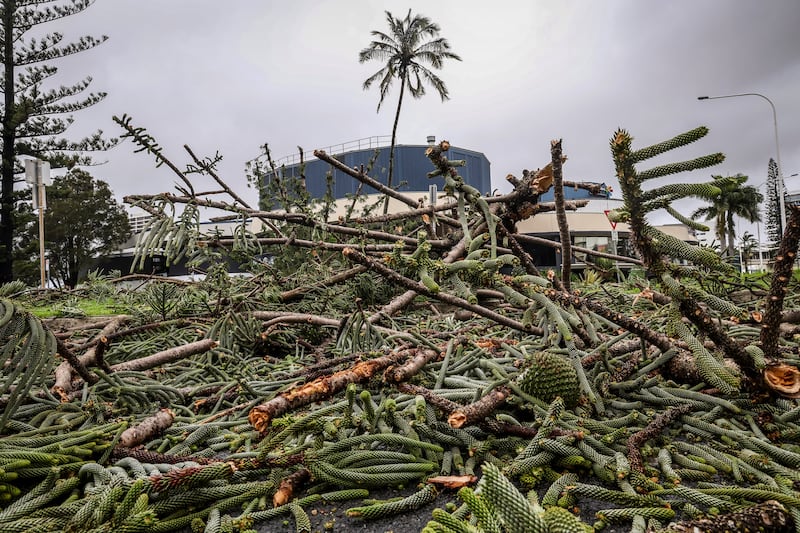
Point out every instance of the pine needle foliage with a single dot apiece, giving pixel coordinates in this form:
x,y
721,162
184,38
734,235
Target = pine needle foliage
x,y
26,349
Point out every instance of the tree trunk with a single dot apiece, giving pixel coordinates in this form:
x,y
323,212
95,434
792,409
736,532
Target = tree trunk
x,y
722,234
394,138
731,236
71,262
8,137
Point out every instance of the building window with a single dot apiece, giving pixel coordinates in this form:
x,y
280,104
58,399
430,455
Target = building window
x,y
598,244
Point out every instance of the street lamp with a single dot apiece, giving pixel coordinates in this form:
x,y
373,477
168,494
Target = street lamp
x,y
782,199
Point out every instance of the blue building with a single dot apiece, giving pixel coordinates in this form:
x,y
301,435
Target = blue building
x,y
574,193
411,167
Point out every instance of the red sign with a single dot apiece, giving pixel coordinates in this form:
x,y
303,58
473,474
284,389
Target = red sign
x,y
613,224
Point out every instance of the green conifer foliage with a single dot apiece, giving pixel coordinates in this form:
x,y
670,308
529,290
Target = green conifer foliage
x,y
672,262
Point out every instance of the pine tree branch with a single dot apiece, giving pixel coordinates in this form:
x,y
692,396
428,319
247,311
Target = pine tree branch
x,y
362,177
261,416
477,411
74,362
299,292
553,244
781,275
166,356
418,287
561,215
661,341
64,379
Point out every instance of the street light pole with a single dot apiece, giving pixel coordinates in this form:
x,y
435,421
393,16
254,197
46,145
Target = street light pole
x,y
781,195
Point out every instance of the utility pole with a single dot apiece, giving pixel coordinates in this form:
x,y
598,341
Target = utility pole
x,y
37,173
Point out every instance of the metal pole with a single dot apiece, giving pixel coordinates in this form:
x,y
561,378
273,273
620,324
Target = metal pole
x,y
781,196
760,252
40,193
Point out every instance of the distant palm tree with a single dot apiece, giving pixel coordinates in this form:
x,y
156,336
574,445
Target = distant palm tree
x,y
735,200
748,246
405,50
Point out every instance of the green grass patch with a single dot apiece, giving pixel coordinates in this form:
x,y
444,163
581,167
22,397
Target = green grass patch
x,y
77,308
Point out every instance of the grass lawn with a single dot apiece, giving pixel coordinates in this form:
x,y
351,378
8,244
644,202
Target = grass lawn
x,y
77,307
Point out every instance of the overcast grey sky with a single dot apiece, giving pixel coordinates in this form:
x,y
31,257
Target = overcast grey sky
x,y
231,76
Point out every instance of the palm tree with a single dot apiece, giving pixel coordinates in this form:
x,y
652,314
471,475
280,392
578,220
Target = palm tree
x,y
748,246
411,43
735,200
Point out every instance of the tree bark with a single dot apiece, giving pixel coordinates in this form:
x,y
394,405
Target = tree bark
x,y
291,485
74,362
261,416
561,215
656,426
767,517
477,411
147,429
9,138
411,368
781,275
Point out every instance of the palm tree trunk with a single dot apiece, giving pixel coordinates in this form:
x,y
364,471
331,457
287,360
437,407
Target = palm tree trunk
x,y
731,236
394,138
722,233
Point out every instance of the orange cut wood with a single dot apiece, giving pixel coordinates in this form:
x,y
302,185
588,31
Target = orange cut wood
x,y
453,482
783,379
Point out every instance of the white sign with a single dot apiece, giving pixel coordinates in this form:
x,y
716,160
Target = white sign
x,y
37,171
30,171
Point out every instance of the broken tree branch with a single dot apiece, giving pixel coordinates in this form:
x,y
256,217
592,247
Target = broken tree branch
x,y
477,411
561,215
416,286
64,373
261,416
362,177
167,356
782,273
